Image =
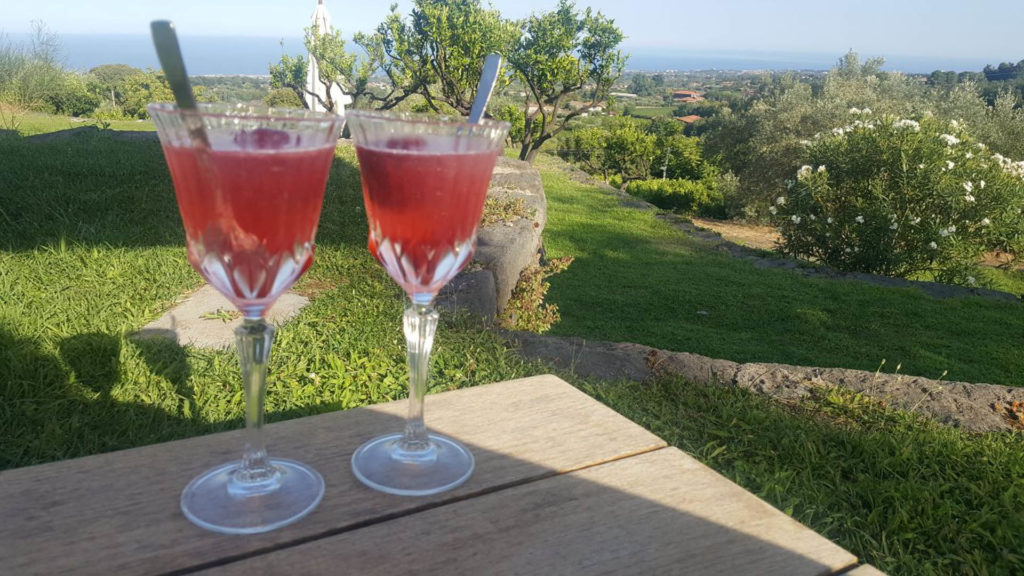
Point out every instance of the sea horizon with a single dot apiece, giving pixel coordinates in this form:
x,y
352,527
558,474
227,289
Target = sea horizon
x,y
252,55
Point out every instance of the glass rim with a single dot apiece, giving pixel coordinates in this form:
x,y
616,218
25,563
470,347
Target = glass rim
x,y
425,119
247,111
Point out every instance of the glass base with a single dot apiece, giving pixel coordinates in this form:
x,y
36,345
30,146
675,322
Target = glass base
x,y
213,502
382,465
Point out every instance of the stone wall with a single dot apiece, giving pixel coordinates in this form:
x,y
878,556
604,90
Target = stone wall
x,y
504,249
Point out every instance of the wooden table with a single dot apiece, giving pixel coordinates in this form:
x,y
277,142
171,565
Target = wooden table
x,y
563,485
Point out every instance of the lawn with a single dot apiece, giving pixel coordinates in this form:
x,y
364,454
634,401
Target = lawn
x,y
91,249
636,279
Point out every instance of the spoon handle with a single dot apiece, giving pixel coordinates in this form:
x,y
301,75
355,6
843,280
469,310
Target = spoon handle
x,y
169,53
483,90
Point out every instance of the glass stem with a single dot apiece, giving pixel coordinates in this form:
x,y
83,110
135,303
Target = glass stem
x,y
256,475
420,324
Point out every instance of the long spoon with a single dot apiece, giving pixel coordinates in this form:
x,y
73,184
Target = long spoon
x,y
489,75
169,53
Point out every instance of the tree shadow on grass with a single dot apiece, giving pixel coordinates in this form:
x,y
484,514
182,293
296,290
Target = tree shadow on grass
x,y
63,405
95,190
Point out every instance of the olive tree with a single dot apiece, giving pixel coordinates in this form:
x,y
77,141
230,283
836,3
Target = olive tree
x,y
561,55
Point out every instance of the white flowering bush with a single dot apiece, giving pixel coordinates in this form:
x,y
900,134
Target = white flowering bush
x,y
902,197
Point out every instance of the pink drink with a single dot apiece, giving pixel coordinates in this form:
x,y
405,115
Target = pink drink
x,y
250,209
423,202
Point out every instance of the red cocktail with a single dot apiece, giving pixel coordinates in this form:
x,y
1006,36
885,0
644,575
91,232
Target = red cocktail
x,y
250,183
424,184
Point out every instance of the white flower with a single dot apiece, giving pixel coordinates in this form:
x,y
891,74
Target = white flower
x,y
933,245
847,250
968,186
829,220
312,375
894,226
821,169
812,217
969,198
805,142
804,170
952,228
859,219
920,166
943,232
854,110
795,219
838,131
981,184
980,146
971,281
915,221
773,210
866,111
950,165
949,139
781,200
910,124
968,155
985,221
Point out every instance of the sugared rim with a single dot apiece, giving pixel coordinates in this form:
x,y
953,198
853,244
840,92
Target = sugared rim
x,y
248,111
418,118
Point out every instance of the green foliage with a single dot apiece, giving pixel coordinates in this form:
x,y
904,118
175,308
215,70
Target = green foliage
x,y
282,98
903,198
516,119
73,98
686,196
142,88
628,150
526,309
642,85
32,78
438,52
762,145
558,54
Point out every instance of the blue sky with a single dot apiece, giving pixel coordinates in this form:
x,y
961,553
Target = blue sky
x,y
989,29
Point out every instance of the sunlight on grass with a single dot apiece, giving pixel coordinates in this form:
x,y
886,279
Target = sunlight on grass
x,y
681,295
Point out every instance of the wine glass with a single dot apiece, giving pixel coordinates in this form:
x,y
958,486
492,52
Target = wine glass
x,y
250,185
424,184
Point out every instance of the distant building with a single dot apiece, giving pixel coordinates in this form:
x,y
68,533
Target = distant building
x,y
684,96
623,95
688,119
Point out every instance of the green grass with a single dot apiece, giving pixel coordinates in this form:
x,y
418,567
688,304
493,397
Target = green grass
x,y
92,248
654,111
29,123
906,495
636,279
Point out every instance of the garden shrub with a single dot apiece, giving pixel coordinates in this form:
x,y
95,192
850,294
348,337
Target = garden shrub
x,y
903,198
526,309
687,196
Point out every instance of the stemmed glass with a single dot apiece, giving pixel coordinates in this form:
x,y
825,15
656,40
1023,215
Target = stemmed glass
x,y
424,184
250,185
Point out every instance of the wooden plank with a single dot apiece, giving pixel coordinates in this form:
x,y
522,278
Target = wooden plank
x,y
118,513
657,513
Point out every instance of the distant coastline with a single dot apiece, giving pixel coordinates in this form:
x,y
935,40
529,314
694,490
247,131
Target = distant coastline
x,y
208,55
